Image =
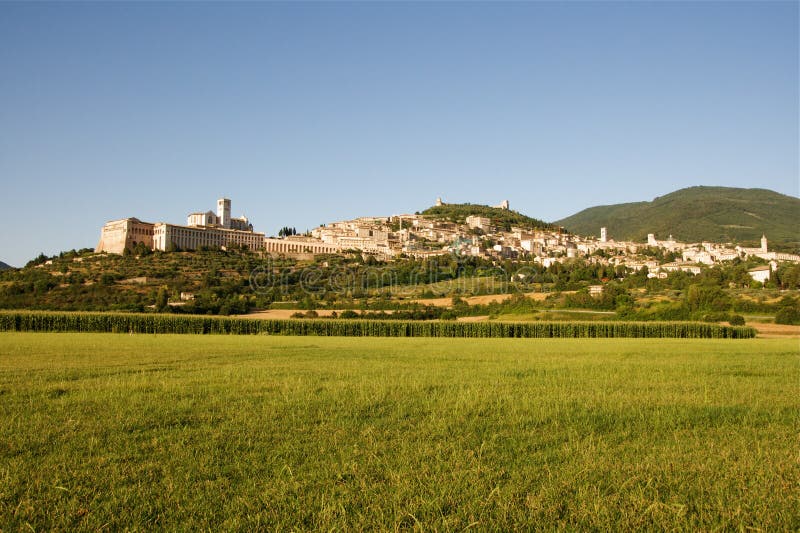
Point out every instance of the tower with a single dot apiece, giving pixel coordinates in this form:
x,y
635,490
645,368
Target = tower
x,y
651,240
763,243
224,212
603,235
439,201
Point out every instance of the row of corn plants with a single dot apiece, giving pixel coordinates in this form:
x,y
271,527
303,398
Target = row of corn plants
x,y
153,323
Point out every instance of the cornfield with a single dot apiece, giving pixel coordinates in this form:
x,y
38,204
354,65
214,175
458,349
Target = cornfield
x,y
153,323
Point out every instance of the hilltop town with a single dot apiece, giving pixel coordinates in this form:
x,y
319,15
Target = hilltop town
x,y
485,233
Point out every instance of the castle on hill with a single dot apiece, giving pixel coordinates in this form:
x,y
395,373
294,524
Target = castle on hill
x,y
218,230
504,205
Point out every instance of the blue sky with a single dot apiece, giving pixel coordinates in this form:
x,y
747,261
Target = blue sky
x,y
305,113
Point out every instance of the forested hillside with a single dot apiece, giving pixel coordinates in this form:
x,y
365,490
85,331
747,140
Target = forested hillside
x,y
718,214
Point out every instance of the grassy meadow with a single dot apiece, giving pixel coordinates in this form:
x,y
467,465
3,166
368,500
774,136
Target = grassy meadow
x,y
118,431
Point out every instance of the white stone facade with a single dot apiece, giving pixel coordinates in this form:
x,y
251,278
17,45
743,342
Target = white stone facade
x,y
202,229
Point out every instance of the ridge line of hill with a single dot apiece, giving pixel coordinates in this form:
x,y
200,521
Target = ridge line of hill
x,y
701,213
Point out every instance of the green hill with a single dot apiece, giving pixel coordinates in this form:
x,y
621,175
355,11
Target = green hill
x,y
504,218
86,281
717,214
4,266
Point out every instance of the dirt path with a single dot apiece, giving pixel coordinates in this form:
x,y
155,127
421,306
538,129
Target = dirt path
x,y
473,300
776,331
480,318
286,313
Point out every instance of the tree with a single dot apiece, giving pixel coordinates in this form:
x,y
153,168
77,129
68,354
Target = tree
x,y
39,260
707,298
788,276
162,300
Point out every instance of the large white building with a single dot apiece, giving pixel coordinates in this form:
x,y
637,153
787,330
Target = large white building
x,y
222,218
174,237
208,230
117,235
201,229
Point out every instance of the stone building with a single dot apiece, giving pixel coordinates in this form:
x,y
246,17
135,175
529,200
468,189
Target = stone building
x,y
171,236
299,246
222,218
482,223
202,229
117,235
761,273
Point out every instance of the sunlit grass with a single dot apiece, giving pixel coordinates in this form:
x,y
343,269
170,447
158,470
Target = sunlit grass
x,y
221,432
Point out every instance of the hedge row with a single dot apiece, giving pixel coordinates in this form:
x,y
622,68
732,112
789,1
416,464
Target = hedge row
x,y
152,323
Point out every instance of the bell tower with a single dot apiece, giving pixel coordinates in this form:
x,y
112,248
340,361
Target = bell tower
x,y
224,212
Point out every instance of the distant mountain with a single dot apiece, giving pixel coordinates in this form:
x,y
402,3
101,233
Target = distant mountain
x,y
503,218
4,266
716,214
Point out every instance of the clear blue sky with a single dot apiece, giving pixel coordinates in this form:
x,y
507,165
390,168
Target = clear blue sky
x,y
306,113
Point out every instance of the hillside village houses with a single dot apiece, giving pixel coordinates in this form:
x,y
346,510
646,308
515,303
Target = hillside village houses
x,y
420,236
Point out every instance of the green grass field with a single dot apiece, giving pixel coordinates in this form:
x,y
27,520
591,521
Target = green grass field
x,y
104,431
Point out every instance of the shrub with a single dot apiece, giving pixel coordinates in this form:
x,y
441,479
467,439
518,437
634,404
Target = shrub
x,y
736,320
716,316
788,315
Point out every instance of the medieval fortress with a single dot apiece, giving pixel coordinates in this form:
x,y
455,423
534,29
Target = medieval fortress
x,y
421,236
201,230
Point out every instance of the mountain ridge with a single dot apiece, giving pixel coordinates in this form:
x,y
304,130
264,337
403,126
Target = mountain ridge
x,y
699,213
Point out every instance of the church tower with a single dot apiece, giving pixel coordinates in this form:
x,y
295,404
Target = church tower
x,y
764,243
224,212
